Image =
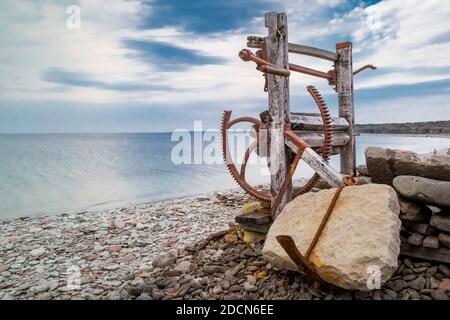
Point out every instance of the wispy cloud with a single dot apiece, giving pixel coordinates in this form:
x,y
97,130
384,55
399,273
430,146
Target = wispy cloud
x,y
167,56
130,52
86,80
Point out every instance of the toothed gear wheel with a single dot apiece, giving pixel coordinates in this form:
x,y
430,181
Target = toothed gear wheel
x,y
239,177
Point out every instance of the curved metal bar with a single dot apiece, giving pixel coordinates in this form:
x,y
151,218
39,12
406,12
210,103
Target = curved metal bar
x,y
244,119
367,66
226,123
246,156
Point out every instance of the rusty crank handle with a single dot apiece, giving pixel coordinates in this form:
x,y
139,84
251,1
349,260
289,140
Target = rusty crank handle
x,y
263,65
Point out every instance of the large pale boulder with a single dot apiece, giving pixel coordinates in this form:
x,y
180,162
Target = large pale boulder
x,y
430,191
362,234
385,164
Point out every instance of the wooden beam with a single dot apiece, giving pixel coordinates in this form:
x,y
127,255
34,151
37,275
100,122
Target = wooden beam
x,y
344,88
312,159
315,139
278,88
256,42
310,121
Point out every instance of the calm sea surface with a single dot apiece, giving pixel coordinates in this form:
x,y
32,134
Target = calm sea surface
x,y
55,173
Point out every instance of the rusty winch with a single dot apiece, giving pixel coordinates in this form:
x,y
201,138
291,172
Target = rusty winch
x,y
285,137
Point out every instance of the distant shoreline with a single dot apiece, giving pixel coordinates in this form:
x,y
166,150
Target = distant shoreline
x,y
427,135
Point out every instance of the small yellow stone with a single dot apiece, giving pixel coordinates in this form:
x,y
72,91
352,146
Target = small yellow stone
x,y
261,275
253,237
251,207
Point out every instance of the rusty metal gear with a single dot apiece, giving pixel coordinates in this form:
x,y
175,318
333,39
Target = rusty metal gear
x,y
239,177
325,150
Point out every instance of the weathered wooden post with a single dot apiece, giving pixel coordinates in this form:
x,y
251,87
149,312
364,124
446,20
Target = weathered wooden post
x,y
278,88
344,88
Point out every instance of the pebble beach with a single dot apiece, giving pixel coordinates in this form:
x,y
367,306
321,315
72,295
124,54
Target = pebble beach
x,y
185,248
39,254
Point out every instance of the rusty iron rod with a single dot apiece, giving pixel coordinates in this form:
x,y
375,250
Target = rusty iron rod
x,y
311,72
301,145
323,222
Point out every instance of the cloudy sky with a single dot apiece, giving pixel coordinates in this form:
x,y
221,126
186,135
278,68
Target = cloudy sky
x,y
158,65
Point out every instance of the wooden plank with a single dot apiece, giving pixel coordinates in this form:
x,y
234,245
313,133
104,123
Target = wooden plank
x,y
328,173
315,139
440,255
256,42
310,121
277,54
344,88
307,122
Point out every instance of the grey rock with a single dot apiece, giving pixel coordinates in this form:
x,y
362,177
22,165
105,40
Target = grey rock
x,y
422,228
420,269
413,294
97,291
226,285
360,180
444,270
115,283
397,285
251,279
164,260
431,242
413,211
415,239
385,164
111,267
434,283
441,221
408,263
40,287
38,252
431,271
362,170
157,295
391,293
418,283
439,295
249,287
144,296
196,283
376,295
409,277
421,264
444,239
140,226
404,295
183,266
214,269
434,192
217,289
